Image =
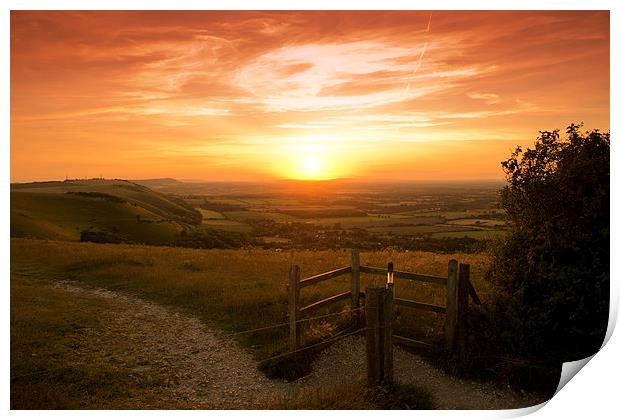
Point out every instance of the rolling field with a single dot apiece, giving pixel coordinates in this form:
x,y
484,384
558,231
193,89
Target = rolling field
x,y
240,215
209,214
227,225
415,230
162,205
64,216
376,220
476,234
121,209
478,222
454,215
249,215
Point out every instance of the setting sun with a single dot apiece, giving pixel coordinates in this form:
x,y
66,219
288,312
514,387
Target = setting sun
x,y
313,153
317,157
312,168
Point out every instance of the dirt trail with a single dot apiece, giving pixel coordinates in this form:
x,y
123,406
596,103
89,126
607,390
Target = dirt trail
x,y
348,356
206,370
202,368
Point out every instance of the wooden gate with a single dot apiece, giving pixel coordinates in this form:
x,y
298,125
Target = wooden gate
x,y
457,284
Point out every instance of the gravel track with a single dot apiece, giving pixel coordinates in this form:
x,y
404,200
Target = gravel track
x,y
205,370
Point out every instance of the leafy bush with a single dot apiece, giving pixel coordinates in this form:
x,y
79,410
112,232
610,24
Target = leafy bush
x,y
100,236
211,238
94,194
552,269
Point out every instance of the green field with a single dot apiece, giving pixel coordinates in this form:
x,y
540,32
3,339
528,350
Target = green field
x,y
274,240
478,222
376,221
241,215
415,230
453,215
475,234
247,215
209,214
227,225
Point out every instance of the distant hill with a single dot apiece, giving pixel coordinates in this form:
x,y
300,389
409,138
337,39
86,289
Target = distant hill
x,y
174,186
118,210
159,183
307,187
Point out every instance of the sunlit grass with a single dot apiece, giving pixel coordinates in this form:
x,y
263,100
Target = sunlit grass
x,y
47,329
239,290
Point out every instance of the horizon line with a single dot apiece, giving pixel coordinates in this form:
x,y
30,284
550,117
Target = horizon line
x,y
272,180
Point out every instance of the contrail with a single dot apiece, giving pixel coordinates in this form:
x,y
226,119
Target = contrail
x,y
421,56
417,66
428,27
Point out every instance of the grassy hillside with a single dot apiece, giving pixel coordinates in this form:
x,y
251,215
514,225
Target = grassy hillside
x,y
162,205
124,210
76,350
238,290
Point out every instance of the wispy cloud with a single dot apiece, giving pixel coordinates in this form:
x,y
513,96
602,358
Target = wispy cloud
x,y
182,81
489,98
345,76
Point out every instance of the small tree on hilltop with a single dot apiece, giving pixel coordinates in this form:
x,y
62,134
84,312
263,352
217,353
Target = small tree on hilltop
x,y
552,270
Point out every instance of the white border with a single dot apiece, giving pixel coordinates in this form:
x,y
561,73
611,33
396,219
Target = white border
x,y
310,5
592,394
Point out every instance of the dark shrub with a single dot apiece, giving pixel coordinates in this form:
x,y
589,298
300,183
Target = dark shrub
x,y
552,270
99,236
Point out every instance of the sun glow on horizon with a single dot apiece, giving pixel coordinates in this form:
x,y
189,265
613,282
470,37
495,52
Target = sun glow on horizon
x,y
314,158
312,167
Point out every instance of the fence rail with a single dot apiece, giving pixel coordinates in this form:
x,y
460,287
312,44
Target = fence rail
x,y
410,342
324,276
456,283
420,305
295,284
325,302
405,275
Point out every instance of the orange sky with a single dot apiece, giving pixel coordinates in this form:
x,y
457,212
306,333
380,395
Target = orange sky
x,y
256,95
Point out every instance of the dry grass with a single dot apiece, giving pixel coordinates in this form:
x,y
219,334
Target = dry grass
x,y
356,396
238,290
232,290
47,328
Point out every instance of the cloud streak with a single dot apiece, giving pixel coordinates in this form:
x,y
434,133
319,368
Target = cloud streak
x,y
130,81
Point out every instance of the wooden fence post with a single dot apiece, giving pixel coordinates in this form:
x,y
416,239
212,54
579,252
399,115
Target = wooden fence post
x,y
293,306
379,349
462,307
355,288
388,349
373,361
451,305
